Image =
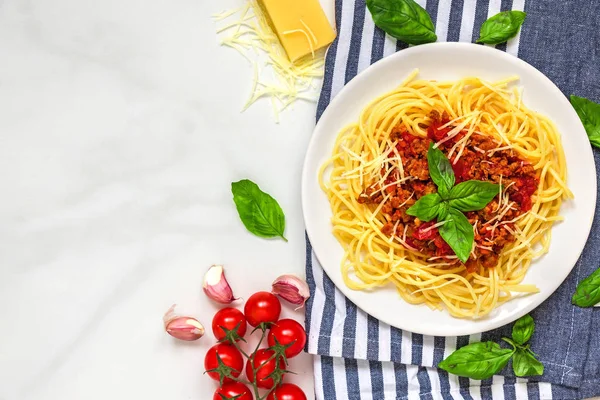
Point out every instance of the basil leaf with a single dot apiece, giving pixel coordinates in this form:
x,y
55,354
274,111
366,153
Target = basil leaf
x,y
589,113
260,213
458,233
472,195
588,291
403,19
426,207
440,170
442,211
478,360
525,364
501,27
523,329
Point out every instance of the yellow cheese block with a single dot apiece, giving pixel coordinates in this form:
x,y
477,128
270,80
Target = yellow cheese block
x,y
301,25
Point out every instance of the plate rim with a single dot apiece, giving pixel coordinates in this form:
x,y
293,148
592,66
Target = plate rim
x,y
345,290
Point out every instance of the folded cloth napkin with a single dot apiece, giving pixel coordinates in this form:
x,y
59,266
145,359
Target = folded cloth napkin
x,y
362,358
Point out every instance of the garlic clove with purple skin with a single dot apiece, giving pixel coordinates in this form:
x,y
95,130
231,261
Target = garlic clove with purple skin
x,y
216,287
183,328
292,289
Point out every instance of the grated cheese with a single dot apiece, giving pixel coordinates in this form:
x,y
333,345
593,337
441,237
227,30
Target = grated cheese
x,y
438,257
492,151
379,207
498,218
280,81
399,181
405,228
463,142
406,201
447,124
398,157
403,243
394,231
432,227
455,131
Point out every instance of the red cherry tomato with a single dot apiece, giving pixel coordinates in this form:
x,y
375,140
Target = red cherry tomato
x,y
264,367
288,331
287,391
228,318
262,307
230,356
233,389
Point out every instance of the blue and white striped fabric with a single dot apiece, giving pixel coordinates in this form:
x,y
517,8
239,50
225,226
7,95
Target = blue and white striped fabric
x,y
362,358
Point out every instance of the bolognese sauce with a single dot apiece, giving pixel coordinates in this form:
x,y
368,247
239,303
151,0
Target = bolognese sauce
x,y
481,158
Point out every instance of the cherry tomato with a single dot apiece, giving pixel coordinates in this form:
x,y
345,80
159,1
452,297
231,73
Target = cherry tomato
x,y
233,389
288,331
230,356
264,368
287,391
228,318
262,307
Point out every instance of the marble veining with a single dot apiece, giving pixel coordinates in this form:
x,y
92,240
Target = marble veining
x,y
120,134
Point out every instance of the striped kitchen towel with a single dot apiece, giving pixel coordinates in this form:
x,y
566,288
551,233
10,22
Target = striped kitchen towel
x,y
359,357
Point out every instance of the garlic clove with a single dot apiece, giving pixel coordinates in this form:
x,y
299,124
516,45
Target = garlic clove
x,y
183,328
292,289
216,287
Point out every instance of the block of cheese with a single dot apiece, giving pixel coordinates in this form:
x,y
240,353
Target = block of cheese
x,y
300,25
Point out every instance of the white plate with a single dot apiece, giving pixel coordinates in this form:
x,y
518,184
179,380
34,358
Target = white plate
x,y
451,61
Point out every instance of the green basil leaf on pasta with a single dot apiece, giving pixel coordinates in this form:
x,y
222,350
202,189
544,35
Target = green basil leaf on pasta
x,y
442,211
440,170
472,195
403,19
523,329
501,27
260,213
525,364
589,113
426,208
458,233
479,360
588,291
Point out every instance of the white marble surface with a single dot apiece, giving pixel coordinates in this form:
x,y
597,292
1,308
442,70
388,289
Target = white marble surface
x,y
120,134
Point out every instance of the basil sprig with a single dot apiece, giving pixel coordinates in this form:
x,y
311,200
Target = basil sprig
x,y
588,291
451,201
403,19
260,213
482,360
589,113
501,27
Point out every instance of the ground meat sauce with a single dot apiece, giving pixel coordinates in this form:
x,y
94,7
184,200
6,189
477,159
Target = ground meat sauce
x,y
478,161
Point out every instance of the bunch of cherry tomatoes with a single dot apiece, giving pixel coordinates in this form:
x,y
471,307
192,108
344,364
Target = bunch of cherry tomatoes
x,y
264,367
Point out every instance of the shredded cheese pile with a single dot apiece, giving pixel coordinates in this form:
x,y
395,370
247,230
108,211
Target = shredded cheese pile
x,y
247,30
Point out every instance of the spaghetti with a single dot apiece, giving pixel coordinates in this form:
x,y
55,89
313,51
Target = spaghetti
x,y
376,172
